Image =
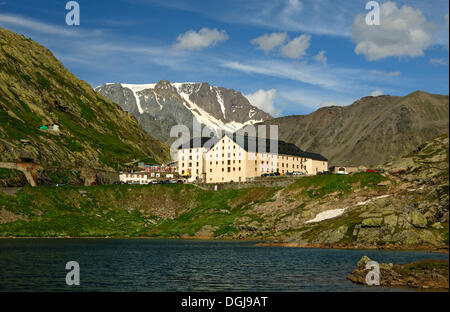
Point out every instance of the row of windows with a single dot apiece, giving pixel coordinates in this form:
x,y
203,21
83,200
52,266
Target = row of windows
x,y
239,161
229,169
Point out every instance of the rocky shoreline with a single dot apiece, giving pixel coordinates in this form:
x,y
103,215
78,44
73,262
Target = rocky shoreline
x,y
424,274
427,248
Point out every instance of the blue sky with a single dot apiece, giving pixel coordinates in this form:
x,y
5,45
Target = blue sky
x,y
287,56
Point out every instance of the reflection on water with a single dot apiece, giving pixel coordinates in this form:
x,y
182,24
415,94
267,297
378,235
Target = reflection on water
x,y
182,265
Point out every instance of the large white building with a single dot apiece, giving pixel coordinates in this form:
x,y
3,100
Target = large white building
x,y
241,159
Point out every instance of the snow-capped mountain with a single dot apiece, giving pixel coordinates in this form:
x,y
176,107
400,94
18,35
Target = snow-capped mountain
x,y
160,106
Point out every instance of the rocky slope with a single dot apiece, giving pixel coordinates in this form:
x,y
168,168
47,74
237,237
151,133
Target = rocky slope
x,y
406,207
36,89
160,106
370,131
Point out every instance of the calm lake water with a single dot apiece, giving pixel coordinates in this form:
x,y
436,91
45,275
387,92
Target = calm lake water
x,y
182,265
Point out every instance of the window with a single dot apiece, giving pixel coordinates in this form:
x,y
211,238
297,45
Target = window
x,y
223,169
239,168
234,169
210,170
229,162
190,164
229,169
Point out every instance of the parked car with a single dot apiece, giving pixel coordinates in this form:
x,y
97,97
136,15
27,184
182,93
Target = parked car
x,y
167,182
173,181
265,175
60,185
154,181
297,173
371,170
161,182
180,181
276,174
289,173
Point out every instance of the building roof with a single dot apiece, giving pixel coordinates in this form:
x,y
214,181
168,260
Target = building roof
x,y
284,148
199,142
247,142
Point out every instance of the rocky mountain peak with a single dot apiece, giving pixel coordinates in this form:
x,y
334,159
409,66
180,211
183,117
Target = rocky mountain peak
x,y
160,106
164,85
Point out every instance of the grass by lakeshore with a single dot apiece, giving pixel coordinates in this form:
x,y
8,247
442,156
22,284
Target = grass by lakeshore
x,y
122,210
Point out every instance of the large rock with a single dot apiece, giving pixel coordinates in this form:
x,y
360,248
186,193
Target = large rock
x,y
372,222
331,236
390,221
418,219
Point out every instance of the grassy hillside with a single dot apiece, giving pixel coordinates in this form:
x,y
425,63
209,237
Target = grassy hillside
x,y
35,88
371,131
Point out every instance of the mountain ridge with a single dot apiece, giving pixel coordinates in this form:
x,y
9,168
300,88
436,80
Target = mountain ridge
x,y
370,131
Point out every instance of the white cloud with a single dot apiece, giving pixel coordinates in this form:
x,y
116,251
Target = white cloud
x,y
264,100
270,42
403,31
439,61
331,78
383,73
205,37
376,93
328,104
321,57
296,48
311,99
